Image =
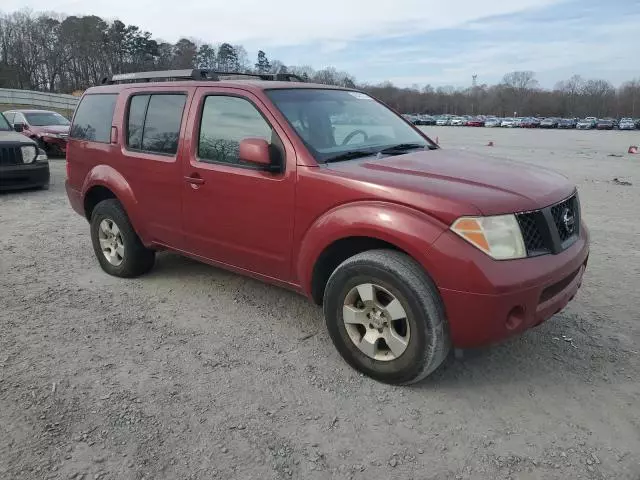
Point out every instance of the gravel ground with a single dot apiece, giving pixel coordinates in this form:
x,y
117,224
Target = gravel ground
x,y
193,372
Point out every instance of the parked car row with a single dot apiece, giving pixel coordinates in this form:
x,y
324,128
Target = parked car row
x,y
587,123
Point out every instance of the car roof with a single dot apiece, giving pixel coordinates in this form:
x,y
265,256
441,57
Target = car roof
x,y
250,85
27,110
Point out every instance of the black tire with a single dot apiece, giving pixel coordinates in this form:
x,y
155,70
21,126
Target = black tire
x,y
429,343
137,259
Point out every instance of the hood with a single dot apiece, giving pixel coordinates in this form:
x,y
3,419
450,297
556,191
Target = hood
x,y
50,129
470,182
14,137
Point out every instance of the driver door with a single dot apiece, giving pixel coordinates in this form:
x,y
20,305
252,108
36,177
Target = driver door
x,y
235,213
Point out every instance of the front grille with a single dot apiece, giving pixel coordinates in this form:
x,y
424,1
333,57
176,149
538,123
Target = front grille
x,y
551,229
10,155
564,217
531,233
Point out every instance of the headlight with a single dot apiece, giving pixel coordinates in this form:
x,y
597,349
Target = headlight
x,y
29,153
499,237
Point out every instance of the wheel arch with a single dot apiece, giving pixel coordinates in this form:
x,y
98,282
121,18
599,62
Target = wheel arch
x,y
105,182
355,228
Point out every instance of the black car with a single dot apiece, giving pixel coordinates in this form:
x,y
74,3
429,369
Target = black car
x,y
22,163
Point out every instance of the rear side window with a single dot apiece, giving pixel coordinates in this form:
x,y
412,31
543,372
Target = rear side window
x,y
153,124
93,118
9,117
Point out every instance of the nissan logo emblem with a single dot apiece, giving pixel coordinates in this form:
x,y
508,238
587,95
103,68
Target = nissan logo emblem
x,y
568,220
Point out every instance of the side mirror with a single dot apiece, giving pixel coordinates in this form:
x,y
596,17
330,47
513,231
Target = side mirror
x,y
19,127
256,151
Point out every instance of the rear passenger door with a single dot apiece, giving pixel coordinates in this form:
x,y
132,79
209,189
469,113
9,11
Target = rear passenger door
x,y
233,212
150,152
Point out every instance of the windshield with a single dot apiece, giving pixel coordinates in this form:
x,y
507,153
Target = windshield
x,y
334,122
4,125
45,119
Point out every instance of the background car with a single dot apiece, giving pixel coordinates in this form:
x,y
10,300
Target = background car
x,y
492,122
22,163
458,121
530,122
567,123
586,124
549,123
507,122
605,124
475,122
443,121
627,124
425,120
48,129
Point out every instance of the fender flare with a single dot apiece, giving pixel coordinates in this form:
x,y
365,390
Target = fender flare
x,y
406,228
108,177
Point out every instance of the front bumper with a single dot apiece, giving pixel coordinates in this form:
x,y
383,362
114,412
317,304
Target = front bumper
x,y
16,177
498,299
55,144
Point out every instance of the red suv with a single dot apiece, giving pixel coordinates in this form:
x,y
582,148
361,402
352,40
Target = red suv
x,y
410,248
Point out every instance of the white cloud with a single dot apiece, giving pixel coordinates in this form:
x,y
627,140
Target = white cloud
x,y
284,22
594,55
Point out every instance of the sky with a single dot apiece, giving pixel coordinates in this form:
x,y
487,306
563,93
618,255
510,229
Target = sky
x,y
404,41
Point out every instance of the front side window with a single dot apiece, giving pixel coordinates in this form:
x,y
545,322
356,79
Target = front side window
x,y
9,117
153,124
46,119
93,118
226,121
4,125
334,123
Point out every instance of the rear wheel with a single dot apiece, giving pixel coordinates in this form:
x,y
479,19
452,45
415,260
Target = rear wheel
x,y
385,317
116,244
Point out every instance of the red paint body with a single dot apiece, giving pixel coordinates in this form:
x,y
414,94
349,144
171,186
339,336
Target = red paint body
x,y
48,135
274,226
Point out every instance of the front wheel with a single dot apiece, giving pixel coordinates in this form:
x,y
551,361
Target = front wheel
x,y
385,317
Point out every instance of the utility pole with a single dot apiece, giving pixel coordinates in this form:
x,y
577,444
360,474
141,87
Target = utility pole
x,y
474,90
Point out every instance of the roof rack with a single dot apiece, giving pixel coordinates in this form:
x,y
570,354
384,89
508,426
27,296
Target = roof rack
x,y
196,74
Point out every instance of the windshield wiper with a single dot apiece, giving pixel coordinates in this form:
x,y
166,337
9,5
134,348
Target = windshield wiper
x,y
350,155
403,147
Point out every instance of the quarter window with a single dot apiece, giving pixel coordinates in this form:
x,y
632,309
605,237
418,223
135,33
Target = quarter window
x,y
225,122
93,118
154,122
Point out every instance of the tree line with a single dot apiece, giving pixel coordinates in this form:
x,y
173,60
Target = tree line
x,y
58,53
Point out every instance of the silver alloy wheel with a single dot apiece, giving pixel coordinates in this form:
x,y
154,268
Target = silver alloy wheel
x,y
111,242
376,322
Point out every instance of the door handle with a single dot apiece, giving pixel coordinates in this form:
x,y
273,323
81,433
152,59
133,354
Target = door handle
x,y
194,180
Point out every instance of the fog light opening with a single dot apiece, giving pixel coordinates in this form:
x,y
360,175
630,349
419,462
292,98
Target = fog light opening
x,y
515,318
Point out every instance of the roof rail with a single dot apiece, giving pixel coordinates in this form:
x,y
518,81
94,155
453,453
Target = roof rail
x,y
196,74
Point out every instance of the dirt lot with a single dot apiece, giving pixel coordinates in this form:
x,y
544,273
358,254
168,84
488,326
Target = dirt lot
x,y
193,372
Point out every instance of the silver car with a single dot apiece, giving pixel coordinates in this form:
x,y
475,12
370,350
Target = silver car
x,y
627,124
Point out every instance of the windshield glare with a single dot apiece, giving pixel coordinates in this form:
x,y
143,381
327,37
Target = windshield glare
x,y
4,125
332,122
45,119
